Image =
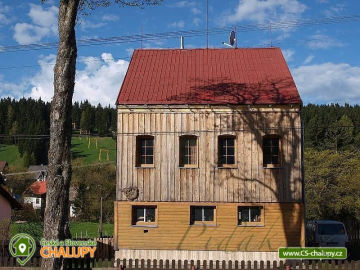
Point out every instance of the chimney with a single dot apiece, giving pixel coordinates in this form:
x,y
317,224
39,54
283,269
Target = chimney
x,y
182,42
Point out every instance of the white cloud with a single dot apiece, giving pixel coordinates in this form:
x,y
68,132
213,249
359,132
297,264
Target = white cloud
x,y
3,14
328,83
8,89
288,54
335,10
308,59
43,24
179,24
183,4
110,18
195,11
46,18
130,51
196,21
85,24
321,41
99,81
158,44
260,11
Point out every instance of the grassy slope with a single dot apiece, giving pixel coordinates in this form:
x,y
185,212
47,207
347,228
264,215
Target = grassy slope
x,y
89,153
11,154
81,150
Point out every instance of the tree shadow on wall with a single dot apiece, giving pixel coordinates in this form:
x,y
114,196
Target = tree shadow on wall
x,y
259,125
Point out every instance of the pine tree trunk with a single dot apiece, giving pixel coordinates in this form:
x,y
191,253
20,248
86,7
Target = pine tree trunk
x,y
56,220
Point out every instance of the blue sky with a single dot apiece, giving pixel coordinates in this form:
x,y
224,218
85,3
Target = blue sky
x,y
323,58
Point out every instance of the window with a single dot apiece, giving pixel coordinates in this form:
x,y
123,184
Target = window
x,y
250,215
37,201
144,215
271,151
202,214
226,150
145,151
188,151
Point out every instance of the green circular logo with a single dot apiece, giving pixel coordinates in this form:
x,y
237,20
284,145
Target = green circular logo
x,y
22,246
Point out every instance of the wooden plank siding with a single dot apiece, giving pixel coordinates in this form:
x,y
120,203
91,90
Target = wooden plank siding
x,y
282,225
248,181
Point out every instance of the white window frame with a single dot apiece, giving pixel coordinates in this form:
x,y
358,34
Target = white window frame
x,y
251,223
144,222
202,221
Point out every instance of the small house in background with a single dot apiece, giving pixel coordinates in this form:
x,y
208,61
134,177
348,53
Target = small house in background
x,y
36,196
7,202
209,160
39,172
3,166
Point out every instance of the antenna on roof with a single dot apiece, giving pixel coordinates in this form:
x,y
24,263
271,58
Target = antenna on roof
x,y
141,38
271,43
207,24
232,39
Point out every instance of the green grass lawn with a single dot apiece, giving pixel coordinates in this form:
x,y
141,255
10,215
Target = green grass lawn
x,y
11,154
89,152
82,151
89,229
77,229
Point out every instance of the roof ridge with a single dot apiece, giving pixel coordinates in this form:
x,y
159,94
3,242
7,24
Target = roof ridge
x,y
211,49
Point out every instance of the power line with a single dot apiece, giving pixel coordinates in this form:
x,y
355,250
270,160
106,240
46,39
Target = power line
x,y
79,166
186,33
127,58
179,132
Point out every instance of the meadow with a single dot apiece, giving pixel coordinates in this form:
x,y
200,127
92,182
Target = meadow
x,y
84,150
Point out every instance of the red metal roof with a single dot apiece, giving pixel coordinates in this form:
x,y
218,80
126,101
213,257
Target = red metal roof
x,y
38,187
208,76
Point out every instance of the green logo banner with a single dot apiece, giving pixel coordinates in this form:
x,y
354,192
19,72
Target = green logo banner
x,y
22,247
321,253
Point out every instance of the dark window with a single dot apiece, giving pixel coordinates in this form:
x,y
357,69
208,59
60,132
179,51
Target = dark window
x,y
202,214
226,150
331,229
249,214
271,150
145,151
144,214
188,151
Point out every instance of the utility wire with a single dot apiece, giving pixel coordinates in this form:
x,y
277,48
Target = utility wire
x,y
79,166
36,137
127,58
186,33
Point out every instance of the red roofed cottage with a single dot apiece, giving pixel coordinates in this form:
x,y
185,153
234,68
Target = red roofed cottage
x,y
209,160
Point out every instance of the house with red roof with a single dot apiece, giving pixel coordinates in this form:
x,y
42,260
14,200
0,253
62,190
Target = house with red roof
x,y
209,156
35,194
7,203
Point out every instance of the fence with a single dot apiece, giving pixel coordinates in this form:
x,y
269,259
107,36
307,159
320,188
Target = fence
x,y
192,265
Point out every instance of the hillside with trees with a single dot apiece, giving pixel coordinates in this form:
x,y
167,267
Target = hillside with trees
x,y
332,162
25,123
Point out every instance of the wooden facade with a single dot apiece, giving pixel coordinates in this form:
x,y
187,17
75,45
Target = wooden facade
x,y
282,226
173,189
247,181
